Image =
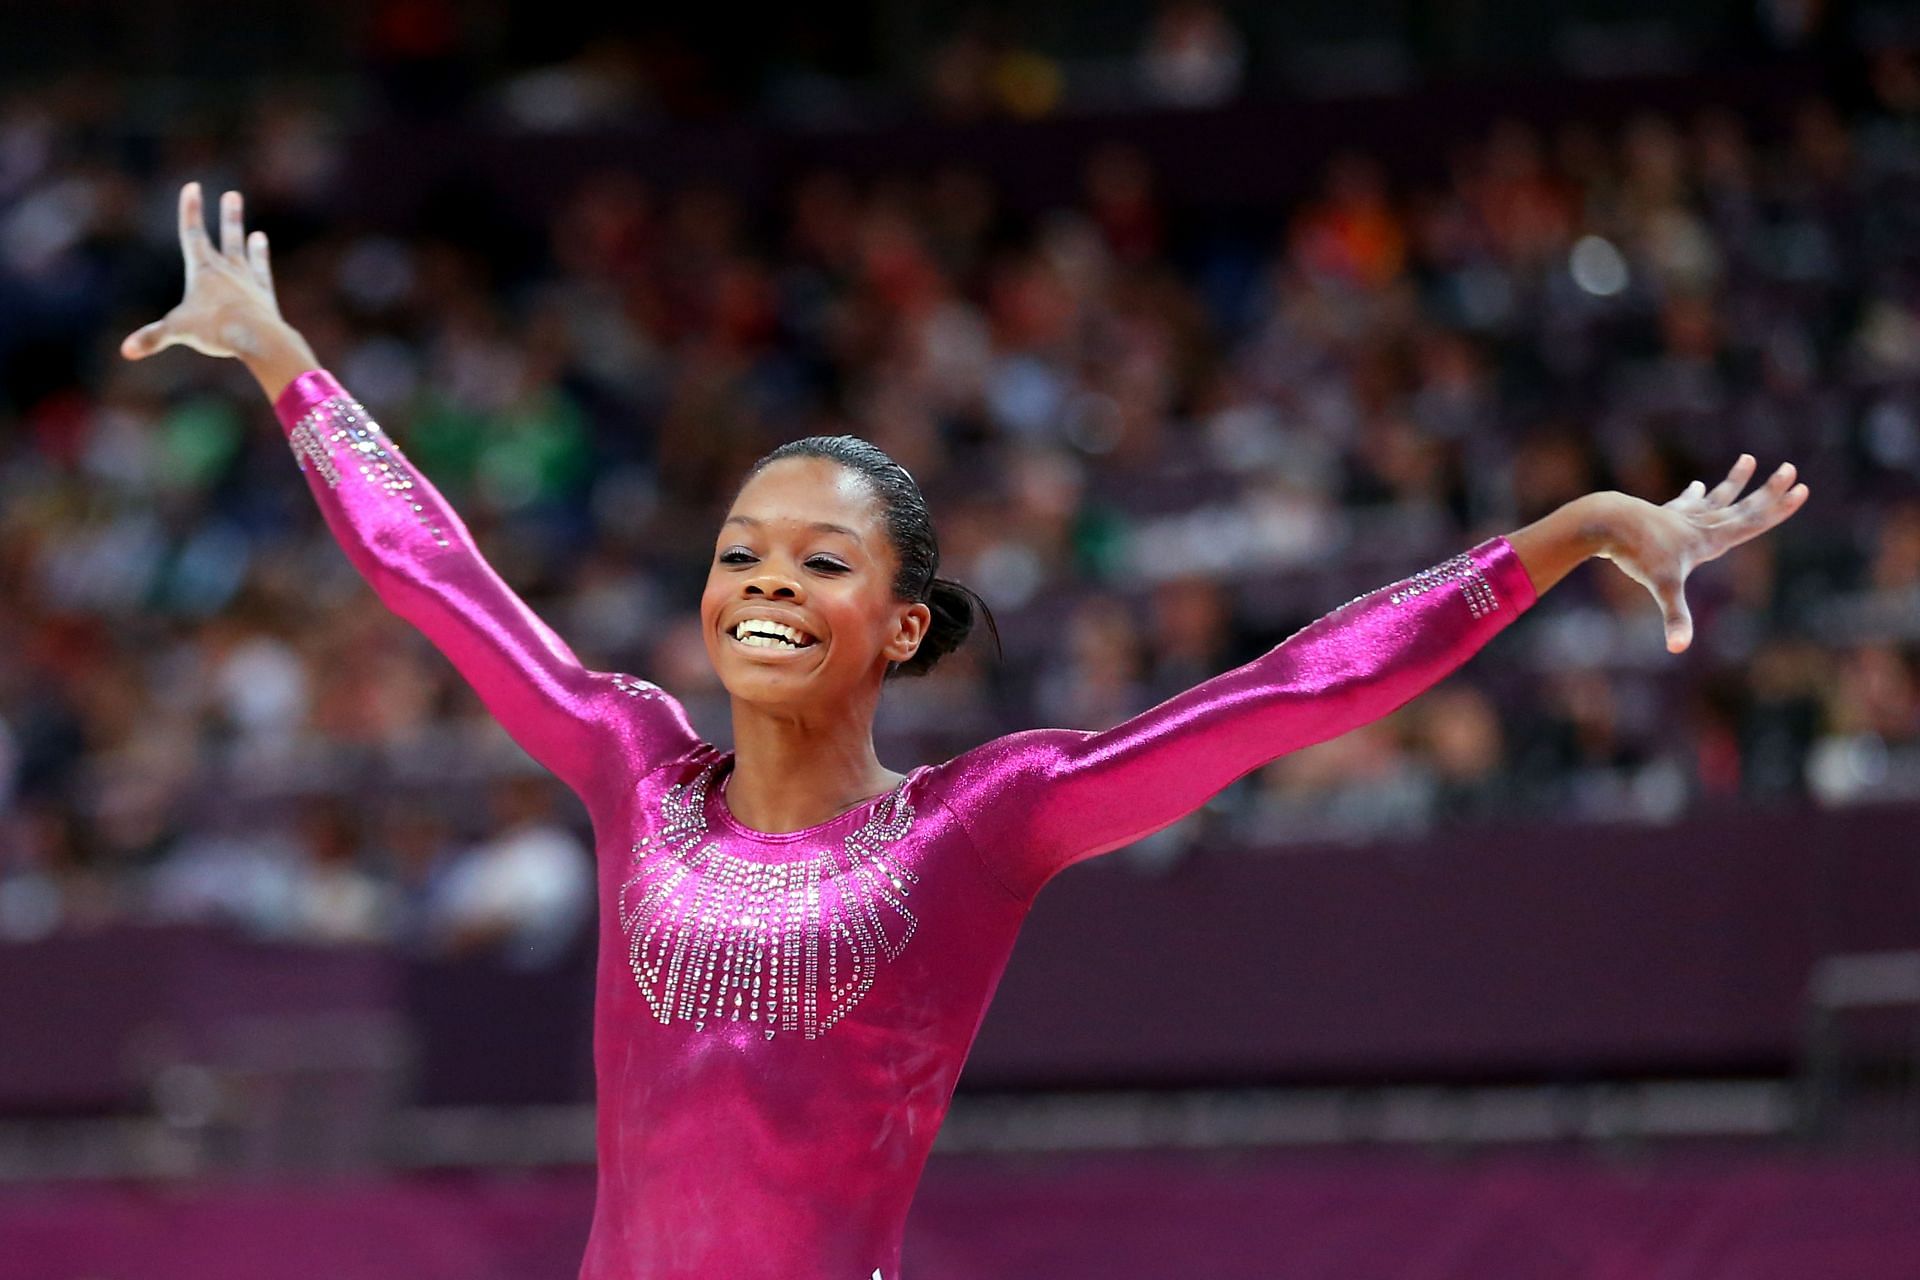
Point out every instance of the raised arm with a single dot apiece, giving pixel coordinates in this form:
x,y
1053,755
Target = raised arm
x,y
1039,801
412,548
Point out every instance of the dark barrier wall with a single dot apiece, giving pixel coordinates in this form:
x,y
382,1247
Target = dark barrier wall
x,y
1504,951
1134,1217
1542,952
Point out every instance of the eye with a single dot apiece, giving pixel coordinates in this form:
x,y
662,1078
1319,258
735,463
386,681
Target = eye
x,y
736,556
827,564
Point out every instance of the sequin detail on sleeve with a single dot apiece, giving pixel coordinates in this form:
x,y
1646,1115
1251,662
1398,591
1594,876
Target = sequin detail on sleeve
x,y
306,446
792,946
635,687
341,420
1474,587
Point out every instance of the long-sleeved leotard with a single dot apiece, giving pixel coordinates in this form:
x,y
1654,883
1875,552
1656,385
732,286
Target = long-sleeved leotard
x,y
780,1019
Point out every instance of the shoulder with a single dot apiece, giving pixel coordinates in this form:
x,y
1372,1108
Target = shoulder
x,y
1003,795
1005,769
649,726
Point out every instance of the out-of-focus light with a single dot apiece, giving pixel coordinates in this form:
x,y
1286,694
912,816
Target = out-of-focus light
x,y
1845,770
1598,267
186,1096
1008,575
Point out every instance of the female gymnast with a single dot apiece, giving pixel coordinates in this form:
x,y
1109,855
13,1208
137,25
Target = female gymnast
x,y
798,943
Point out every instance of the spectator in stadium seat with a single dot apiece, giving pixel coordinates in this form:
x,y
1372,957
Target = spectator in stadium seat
x,y
524,893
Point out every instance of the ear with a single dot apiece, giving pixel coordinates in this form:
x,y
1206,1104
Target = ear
x,y
910,629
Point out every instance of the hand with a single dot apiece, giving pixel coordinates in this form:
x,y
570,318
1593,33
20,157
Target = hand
x,y
1659,546
229,308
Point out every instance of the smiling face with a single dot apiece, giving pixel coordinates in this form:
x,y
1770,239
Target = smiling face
x,y
799,609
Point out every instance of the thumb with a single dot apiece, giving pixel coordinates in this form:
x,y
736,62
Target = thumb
x,y
144,341
1679,619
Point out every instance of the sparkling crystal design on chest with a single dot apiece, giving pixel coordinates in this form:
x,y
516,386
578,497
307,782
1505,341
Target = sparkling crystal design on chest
x,y
787,946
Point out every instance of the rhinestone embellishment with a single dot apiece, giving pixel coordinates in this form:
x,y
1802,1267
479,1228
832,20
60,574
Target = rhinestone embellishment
x,y
634,687
1464,569
788,946
342,419
306,446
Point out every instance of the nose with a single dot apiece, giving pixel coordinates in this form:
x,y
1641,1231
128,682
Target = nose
x,y
769,585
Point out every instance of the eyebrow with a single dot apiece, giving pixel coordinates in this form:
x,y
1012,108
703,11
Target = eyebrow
x,y
825,526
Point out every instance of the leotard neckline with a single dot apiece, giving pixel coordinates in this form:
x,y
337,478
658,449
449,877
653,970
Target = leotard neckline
x,y
717,794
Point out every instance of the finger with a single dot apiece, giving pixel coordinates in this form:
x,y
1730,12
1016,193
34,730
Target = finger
x,y
194,245
259,263
144,341
1757,505
1729,489
1678,618
1776,509
232,228
1757,513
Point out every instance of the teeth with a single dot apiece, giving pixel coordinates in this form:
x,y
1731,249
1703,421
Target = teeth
x,y
761,633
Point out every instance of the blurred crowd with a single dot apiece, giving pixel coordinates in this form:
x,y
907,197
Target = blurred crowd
x,y
1156,445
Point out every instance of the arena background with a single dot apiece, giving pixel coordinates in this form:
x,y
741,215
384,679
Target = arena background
x,y
1195,320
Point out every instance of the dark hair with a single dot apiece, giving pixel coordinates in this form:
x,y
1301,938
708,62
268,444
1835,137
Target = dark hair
x,y
910,530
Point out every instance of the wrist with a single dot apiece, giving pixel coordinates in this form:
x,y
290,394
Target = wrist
x,y
1601,519
275,355
1595,523
1556,544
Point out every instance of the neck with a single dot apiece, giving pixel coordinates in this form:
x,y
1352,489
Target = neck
x,y
792,770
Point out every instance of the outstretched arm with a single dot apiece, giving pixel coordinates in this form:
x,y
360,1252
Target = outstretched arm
x,y
1040,801
409,544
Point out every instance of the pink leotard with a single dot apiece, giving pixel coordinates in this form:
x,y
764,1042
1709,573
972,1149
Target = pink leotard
x,y
780,1019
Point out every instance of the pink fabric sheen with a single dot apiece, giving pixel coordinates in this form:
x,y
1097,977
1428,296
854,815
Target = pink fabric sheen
x,y
780,1019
